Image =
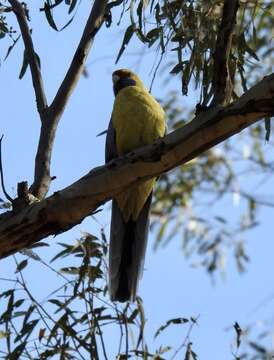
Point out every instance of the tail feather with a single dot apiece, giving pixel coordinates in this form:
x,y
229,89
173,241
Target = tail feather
x,y
128,241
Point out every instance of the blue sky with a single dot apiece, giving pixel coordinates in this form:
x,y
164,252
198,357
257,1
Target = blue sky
x,y
170,286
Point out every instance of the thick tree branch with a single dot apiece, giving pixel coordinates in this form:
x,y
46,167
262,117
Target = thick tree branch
x,y
222,78
68,207
37,80
42,176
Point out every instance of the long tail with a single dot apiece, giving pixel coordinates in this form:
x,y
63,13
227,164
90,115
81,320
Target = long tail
x,y
128,241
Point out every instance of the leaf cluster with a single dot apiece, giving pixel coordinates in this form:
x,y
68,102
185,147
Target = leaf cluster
x,y
190,204
186,32
74,321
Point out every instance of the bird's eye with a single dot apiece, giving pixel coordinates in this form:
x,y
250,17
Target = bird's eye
x,y
115,78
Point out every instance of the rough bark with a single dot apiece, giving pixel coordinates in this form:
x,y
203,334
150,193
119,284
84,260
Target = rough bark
x,y
222,78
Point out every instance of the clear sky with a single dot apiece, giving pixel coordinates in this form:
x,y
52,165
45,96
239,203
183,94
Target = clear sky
x,y
170,286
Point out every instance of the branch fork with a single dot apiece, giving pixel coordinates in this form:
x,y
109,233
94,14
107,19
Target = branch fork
x,y
50,115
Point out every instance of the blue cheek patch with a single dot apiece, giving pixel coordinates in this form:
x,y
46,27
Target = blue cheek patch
x,y
122,83
127,82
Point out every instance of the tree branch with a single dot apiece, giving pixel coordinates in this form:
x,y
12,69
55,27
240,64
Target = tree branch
x,y
42,178
37,80
75,70
222,78
68,207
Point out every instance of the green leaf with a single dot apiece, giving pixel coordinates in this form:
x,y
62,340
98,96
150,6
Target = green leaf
x,y
18,314
251,52
134,314
267,124
21,266
157,13
142,320
72,270
72,6
128,35
177,68
39,244
7,293
154,33
11,47
6,316
63,253
27,329
25,65
257,347
139,14
238,332
50,5
28,314
18,303
17,352
67,24
161,231
176,321
48,12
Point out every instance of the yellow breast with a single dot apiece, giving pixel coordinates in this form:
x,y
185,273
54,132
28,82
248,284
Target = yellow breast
x,y
138,120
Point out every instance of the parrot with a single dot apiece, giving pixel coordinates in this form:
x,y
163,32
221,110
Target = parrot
x,y
137,120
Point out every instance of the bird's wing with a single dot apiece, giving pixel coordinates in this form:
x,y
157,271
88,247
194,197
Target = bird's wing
x,y
110,149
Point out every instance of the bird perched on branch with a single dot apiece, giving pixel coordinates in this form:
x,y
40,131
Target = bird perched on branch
x,y
137,120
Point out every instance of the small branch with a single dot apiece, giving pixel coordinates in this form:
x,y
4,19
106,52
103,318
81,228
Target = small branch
x,y
2,174
94,22
186,343
42,178
37,80
222,78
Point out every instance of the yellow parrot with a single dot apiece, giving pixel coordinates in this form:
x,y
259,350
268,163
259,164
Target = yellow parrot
x,y
137,120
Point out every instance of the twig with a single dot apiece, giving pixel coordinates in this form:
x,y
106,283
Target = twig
x,y
40,309
222,78
89,303
42,178
27,354
121,332
1,173
186,340
115,3
126,330
32,57
101,336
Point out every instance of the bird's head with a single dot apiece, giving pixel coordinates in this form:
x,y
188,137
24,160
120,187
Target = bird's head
x,y
123,78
